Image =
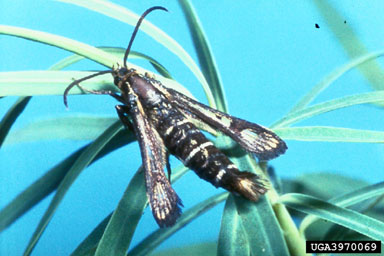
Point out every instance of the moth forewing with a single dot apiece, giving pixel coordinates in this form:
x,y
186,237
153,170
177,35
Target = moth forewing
x,y
254,138
163,200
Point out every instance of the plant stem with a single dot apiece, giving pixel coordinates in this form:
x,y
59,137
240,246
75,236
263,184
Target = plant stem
x,y
295,243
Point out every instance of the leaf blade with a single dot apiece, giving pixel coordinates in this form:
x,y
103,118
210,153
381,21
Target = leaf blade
x,y
123,222
330,134
351,43
345,217
48,82
362,98
348,199
205,56
10,117
332,77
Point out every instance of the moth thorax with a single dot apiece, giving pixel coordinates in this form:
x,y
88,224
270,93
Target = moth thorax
x,y
145,90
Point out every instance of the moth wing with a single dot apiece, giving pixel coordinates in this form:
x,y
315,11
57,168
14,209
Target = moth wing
x,y
164,202
254,138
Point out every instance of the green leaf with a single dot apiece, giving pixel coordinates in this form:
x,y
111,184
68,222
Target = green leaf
x,y
351,43
49,182
79,127
84,159
206,59
330,134
348,199
89,245
327,106
122,225
345,217
26,83
261,227
147,245
10,117
74,46
124,15
232,238
328,80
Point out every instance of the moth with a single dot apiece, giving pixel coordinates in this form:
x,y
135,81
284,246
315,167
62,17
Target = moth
x,y
163,121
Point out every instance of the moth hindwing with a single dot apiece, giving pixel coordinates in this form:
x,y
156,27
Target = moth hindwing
x,y
163,121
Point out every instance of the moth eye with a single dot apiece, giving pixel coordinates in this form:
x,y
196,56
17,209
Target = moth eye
x,y
123,72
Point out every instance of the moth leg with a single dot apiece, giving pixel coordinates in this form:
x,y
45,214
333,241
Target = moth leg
x,y
122,110
168,165
102,92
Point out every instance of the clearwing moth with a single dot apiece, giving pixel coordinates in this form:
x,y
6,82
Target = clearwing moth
x,y
163,122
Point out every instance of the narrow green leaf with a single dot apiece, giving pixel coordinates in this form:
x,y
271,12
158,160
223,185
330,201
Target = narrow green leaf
x,y
261,227
122,225
206,59
124,15
330,134
10,117
345,217
26,83
79,127
328,80
49,182
89,245
348,199
232,238
351,43
147,245
74,46
327,106
84,159
62,42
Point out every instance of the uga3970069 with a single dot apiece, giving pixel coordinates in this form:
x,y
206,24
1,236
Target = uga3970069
x,y
163,121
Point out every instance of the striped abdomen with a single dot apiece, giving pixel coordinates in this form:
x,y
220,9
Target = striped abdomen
x,y
187,143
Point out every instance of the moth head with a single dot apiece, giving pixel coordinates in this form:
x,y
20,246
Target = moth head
x,y
119,75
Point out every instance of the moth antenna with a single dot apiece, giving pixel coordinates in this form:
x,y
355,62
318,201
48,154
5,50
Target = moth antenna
x,y
137,29
76,82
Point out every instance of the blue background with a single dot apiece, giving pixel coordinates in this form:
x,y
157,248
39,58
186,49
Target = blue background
x,y
269,54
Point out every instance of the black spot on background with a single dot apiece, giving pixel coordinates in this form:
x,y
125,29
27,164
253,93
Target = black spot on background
x,y
317,25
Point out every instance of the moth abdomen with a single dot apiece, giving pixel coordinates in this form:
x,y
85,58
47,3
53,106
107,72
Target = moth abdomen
x,y
184,140
249,185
